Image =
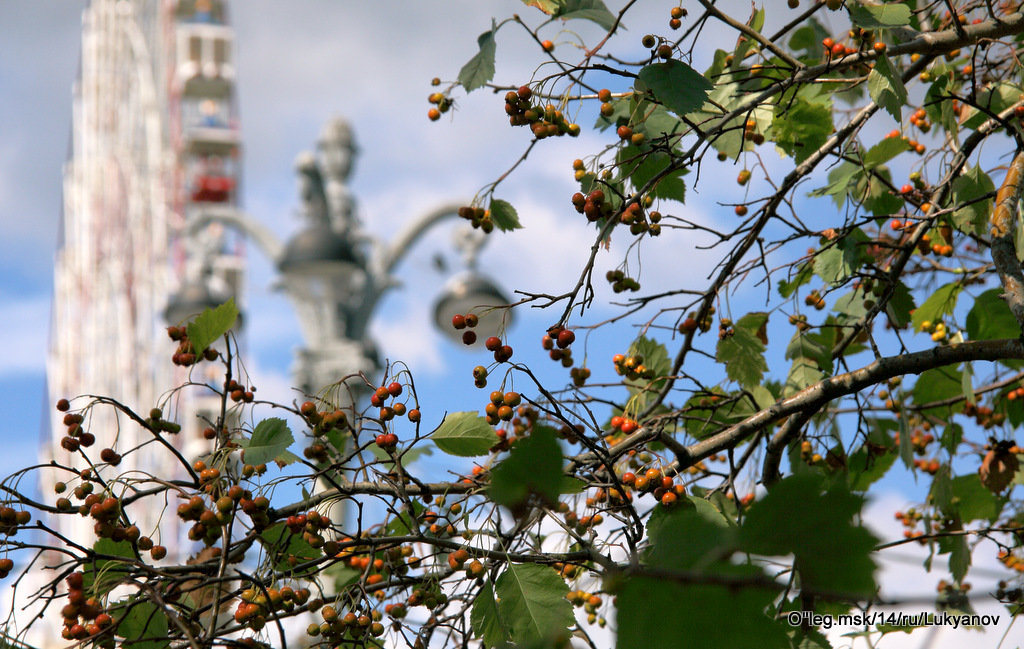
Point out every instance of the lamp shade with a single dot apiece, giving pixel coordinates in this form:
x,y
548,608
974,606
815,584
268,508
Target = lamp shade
x,y
472,293
317,250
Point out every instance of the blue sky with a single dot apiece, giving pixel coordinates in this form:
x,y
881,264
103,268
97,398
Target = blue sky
x,y
298,65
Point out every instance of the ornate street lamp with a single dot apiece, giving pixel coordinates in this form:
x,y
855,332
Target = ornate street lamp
x,y
335,274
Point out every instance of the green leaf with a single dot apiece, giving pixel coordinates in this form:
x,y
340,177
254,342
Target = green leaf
x,y
968,189
939,304
960,559
592,10
622,109
211,324
104,574
534,466
343,575
143,624
480,69
803,275
993,100
697,617
531,600
939,107
281,543
691,535
967,384
937,384
270,439
485,619
676,85
840,181
643,166
906,447
886,87
654,353
972,501
547,6
952,435
743,355
808,38
990,318
901,306
879,16
867,468
789,520
504,216
402,524
836,263
885,151
941,491
801,127
803,373
465,434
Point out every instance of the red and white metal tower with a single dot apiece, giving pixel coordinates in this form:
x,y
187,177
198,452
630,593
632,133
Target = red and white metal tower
x,y
155,138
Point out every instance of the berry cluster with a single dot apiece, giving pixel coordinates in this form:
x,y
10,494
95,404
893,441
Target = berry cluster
x,y
478,217
84,616
590,603
238,392
937,330
632,367
815,300
544,122
157,423
309,526
392,390
1011,560
76,436
257,604
1006,594
663,487
186,354
502,406
557,343
501,352
441,104
468,322
593,205
912,144
620,282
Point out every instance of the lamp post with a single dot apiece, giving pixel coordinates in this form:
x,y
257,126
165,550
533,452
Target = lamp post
x,y
335,273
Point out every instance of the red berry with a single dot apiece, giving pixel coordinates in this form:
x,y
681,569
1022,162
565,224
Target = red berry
x,y
394,388
469,337
906,189
492,343
565,338
471,320
63,405
459,321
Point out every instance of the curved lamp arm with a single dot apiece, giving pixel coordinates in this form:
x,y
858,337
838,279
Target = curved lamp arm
x,y
386,257
411,233
260,234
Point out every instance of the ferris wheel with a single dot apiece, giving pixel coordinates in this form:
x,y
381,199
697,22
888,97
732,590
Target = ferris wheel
x,y
155,137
